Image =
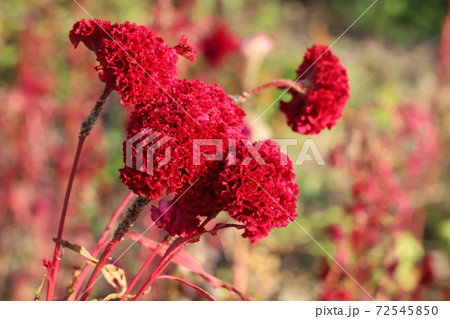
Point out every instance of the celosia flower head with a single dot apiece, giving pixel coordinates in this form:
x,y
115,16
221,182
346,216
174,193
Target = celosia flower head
x,y
326,83
134,61
194,110
90,32
259,191
181,216
256,187
174,219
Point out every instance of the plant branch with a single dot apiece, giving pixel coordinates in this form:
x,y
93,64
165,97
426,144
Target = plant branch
x,y
86,127
187,283
126,223
177,246
101,243
144,267
279,83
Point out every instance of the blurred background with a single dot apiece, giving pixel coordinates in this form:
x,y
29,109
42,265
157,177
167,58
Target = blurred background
x,y
379,206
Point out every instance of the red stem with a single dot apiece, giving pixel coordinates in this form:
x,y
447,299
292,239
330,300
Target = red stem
x,y
56,255
187,283
86,126
102,261
101,243
143,268
279,83
127,222
171,252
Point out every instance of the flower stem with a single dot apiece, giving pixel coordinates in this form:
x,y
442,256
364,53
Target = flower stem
x,y
101,243
189,284
144,267
85,129
126,223
279,83
177,246
56,255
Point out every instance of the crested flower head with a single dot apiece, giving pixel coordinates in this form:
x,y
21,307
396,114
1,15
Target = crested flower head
x,y
255,184
326,83
258,188
90,32
194,111
174,219
134,61
181,216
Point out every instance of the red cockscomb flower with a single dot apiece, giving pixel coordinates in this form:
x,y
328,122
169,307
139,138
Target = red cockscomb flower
x,y
181,216
197,111
134,60
326,83
218,44
90,32
174,219
259,191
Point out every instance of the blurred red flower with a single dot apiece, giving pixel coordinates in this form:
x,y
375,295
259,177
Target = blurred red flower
x,y
220,42
326,83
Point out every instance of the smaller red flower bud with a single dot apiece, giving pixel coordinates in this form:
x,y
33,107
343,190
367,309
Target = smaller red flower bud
x,y
185,49
48,264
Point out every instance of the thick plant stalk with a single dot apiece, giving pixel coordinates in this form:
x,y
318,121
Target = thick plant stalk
x,y
86,127
144,267
101,243
128,221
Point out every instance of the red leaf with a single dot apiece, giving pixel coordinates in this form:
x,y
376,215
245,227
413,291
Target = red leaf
x,y
186,260
183,258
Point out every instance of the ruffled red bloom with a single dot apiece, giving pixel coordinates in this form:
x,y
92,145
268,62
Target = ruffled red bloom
x,y
326,82
174,219
197,111
181,216
90,32
262,197
134,60
218,44
239,188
